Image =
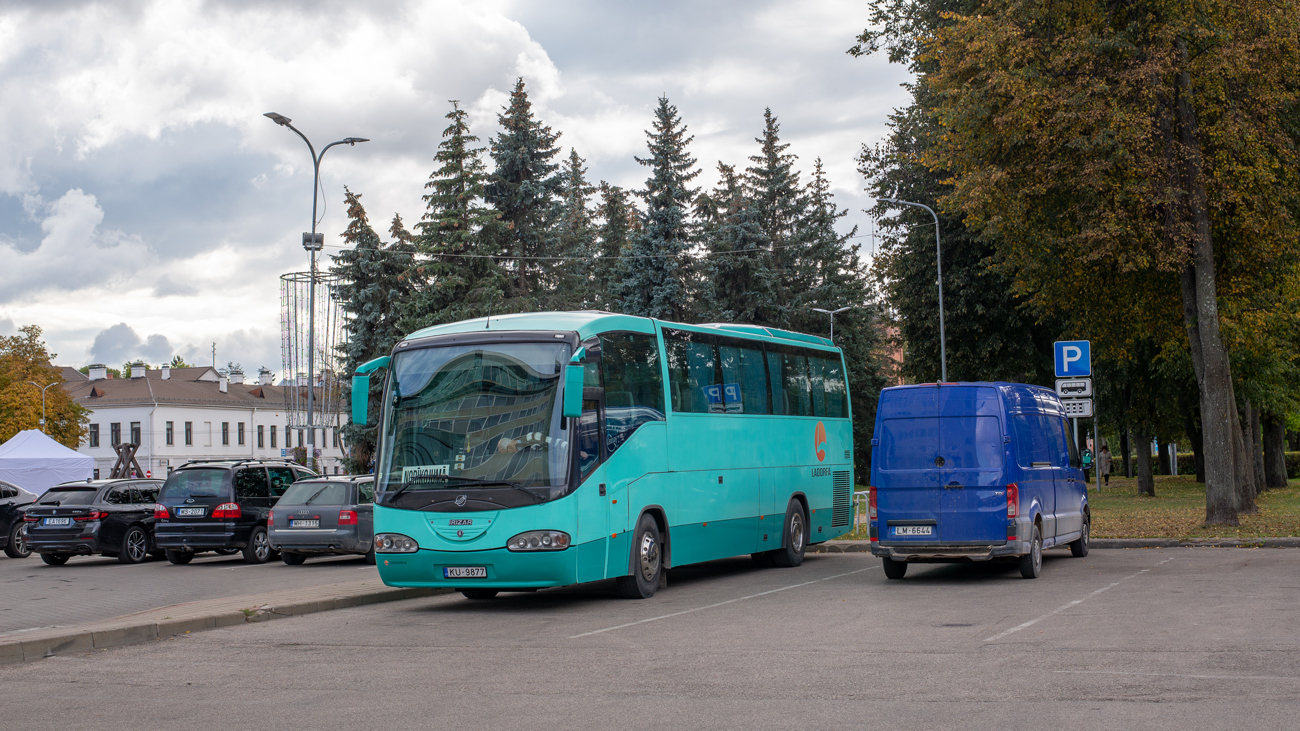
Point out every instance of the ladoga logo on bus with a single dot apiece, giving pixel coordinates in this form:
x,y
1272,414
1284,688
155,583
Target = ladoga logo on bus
x,y
819,438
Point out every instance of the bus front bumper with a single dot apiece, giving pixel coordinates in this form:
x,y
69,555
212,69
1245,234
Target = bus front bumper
x,y
504,569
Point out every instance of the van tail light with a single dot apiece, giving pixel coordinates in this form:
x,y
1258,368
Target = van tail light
x,y
92,515
1013,500
347,517
160,512
227,510
871,502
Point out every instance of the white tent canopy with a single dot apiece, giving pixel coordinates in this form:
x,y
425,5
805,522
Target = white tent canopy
x,y
34,462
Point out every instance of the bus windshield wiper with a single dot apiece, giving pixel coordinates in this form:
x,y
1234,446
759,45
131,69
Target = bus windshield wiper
x,y
465,481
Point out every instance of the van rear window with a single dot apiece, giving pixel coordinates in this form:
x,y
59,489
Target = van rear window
x,y
908,444
971,442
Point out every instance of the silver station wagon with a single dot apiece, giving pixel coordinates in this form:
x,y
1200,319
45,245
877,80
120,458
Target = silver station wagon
x,y
325,516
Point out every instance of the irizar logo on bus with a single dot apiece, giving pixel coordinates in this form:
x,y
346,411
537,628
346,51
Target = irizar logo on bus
x,y
819,438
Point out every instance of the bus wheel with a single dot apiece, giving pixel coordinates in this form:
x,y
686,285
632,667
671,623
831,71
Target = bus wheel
x,y
479,593
794,537
647,562
762,559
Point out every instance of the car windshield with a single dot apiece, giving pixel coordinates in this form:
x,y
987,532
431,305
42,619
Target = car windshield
x,y
193,483
315,493
475,413
69,496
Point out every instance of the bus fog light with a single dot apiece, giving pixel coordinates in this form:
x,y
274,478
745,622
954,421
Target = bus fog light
x,y
394,543
539,540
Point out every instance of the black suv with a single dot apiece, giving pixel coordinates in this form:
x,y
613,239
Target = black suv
x,y
222,506
12,501
109,517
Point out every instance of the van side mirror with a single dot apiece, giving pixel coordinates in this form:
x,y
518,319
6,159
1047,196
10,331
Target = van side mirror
x,y
360,400
573,377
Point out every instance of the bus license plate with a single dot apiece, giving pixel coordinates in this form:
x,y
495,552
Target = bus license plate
x,y
58,521
304,523
913,530
189,512
464,572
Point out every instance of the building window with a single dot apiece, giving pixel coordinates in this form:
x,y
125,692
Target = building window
x,y
240,433
94,435
171,433
300,441
189,433
273,436
135,432
225,434
261,442
115,433
96,474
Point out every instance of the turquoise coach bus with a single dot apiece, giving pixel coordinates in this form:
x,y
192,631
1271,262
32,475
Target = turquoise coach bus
x,y
547,449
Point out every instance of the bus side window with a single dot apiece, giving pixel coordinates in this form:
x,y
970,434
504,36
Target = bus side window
x,y
588,438
693,372
634,386
743,369
836,390
776,382
795,376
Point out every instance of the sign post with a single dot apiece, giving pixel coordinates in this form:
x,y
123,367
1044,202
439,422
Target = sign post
x,y
1074,386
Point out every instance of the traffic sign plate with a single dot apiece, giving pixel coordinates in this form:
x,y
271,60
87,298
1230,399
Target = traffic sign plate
x,y
1077,408
1073,358
1074,387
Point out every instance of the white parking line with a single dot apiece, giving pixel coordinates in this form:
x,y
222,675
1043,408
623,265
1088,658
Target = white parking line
x,y
1076,602
719,604
1181,675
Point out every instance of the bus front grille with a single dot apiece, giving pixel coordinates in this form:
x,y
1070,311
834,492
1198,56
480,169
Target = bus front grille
x,y
842,502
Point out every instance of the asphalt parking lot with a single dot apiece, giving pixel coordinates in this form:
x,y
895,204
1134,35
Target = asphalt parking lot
x,y
90,588
1150,639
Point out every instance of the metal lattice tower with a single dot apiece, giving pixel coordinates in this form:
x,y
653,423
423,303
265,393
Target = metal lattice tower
x,y
294,308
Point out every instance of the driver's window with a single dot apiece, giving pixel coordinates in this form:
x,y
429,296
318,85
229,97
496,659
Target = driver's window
x,y
588,438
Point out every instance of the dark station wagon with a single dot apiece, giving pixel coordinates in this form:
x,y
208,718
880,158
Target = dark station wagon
x,y
108,517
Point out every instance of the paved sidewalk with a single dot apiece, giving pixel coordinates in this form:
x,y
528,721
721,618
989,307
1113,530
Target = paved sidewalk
x,y
180,619
865,546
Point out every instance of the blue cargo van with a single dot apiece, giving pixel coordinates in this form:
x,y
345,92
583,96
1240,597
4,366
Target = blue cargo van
x,y
974,472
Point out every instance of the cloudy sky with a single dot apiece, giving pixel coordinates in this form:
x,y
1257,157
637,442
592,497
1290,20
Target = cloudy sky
x,y
147,208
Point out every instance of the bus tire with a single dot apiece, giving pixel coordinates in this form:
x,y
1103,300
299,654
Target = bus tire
x,y
762,559
646,559
794,537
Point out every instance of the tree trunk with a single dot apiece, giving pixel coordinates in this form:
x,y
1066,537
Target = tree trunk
x,y
1243,448
1257,439
1201,314
1126,452
1146,484
1274,451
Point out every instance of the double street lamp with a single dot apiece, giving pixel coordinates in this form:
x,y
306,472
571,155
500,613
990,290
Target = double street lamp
x,y
832,313
312,242
43,389
938,259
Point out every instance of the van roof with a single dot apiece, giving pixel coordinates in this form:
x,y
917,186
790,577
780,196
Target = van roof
x,y
1018,397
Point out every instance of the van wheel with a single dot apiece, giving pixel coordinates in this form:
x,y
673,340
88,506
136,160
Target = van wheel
x,y
1031,564
135,546
1079,546
894,569
259,546
17,546
479,594
180,558
54,559
794,537
292,559
647,561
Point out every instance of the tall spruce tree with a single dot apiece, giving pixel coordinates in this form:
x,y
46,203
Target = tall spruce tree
x,y
618,222
524,190
454,275
740,280
656,277
778,200
372,289
575,284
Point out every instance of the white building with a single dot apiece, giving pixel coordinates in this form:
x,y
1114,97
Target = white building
x,y
182,414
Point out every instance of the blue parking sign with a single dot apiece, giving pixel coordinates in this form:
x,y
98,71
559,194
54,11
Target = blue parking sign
x,y
1073,359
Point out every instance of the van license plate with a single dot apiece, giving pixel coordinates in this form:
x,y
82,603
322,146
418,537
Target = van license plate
x,y
913,530
58,521
189,512
464,572
304,523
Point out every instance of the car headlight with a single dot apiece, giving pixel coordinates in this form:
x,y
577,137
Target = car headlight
x,y
539,540
395,543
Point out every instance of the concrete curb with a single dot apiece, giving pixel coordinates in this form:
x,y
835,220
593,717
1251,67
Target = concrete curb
x,y
182,619
865,546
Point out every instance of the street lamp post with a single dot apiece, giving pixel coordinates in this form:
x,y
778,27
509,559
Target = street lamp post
x,y
938,259
312,242
43,389
832,313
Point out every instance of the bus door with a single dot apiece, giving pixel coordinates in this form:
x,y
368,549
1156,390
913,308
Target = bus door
x,y
593,498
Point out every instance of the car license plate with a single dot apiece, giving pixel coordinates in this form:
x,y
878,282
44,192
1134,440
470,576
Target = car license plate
x,y
464,572
189,512
913,530
58,521
304,523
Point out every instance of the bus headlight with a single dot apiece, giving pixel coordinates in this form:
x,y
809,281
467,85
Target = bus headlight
x,y
395,543
539,540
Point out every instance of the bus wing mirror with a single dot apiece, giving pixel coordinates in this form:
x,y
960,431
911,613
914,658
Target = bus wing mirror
x,y
360,400
573,391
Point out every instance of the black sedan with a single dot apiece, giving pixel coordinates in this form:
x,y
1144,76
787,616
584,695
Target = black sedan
x,y
12,501
108,517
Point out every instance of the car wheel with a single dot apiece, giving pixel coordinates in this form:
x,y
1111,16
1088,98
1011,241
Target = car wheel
x,y
370,555
479,594
1031,564
794,537
180,558
894,569
17,546
1079,547
259,546
55,559
135,546
292,559
647,561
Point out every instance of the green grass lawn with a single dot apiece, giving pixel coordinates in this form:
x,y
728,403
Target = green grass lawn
x,y
1177,511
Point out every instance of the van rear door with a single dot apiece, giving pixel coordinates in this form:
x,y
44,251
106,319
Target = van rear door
x,y
972,501
904,470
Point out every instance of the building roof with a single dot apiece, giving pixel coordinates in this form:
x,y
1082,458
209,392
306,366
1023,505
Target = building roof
x,y
185,386
71,375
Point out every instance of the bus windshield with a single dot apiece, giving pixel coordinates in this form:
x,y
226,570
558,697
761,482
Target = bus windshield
x,y
484,415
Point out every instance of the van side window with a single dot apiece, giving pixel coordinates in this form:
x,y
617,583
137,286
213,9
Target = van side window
x,y
1074,448
634,384
250,483
281,479
693,372
1035,440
